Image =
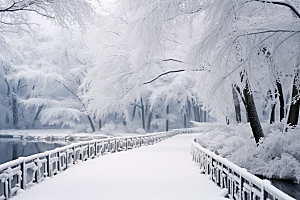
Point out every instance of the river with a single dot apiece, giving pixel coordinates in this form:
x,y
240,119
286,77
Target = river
x,y
290,188
11,149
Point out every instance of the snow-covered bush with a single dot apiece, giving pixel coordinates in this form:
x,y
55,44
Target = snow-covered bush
x,y
109,127
141,131
277,156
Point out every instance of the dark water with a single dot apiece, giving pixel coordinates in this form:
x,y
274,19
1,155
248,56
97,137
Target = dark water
x,y
11,149
287,187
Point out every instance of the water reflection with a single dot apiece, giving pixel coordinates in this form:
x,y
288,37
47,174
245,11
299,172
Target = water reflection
x,y
11,149
287,187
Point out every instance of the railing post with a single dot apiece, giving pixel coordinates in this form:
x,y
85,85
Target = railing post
x,y
241,187
6,189
89,151
59,161
24,171
49,165
263,192
67,160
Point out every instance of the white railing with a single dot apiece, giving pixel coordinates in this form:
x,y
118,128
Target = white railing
x,y
24,172
238,183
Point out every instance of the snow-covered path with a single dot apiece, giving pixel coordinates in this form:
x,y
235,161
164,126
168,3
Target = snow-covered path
x,y
161,171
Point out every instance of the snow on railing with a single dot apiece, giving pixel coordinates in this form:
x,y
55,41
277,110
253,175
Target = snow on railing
x,y
25,172
236,181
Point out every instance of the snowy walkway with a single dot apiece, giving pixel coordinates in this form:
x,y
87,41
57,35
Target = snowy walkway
x,y
161,171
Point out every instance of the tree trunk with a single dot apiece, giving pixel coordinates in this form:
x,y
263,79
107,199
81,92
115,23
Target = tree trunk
x,y
252,113
237,107
91,123
243,100
184,121
15,110
167,121
7,118
7,94
200,114
273,106
281,100
189,108
124,120
149,120
227,120
146,109
196,113
155,125
100,124
293,114
204,116
37,115
272,117
133,112
143,113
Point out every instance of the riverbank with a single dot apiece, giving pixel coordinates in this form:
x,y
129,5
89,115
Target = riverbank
x,y
276,158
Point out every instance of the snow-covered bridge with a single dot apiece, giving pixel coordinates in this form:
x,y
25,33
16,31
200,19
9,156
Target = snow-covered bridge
x,y
160,171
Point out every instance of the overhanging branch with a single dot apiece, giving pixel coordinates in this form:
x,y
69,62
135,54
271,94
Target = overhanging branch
x,y
171,59
282,3
165,73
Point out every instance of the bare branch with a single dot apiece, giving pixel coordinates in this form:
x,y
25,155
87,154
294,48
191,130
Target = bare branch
x,y
165,73
72,93
171,59
282,3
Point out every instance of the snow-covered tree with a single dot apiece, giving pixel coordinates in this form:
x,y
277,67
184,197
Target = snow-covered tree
x,y
233,45
66,60
25,65
241,41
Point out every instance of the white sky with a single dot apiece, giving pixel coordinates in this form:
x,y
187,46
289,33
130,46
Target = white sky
x,y
107,5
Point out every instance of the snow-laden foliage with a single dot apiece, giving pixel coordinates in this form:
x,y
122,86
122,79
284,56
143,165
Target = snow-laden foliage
x,y
68,57
42,73
133,51
27,69
65,13
238,38
277,155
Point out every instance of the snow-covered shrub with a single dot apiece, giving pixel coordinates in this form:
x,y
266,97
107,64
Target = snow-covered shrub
x,y
277,156
109,127
140,131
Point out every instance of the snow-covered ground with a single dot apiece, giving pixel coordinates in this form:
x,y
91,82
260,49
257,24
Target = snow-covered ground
x,y
277,156
161,171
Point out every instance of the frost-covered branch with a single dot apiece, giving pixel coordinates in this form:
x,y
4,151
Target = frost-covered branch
x,y
165,73
135,104
269,31
71,92
283,3
171,59
89,118
64,13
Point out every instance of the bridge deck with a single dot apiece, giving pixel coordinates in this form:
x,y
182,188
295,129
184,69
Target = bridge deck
x,y
161,171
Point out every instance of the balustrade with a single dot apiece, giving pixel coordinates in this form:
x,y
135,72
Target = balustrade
x,y
25,172
238,183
